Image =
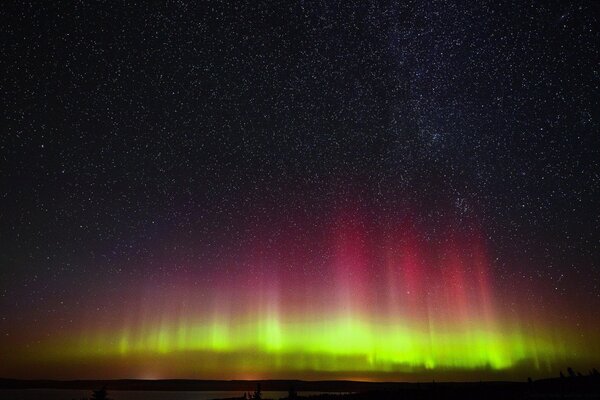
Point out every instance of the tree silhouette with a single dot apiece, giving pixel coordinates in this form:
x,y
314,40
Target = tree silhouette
x,y
257,393
292,394
100,394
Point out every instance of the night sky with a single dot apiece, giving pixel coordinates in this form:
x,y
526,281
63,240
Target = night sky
x,y
333,189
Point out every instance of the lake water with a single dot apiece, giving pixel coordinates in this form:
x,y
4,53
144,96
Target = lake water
x,y
62,394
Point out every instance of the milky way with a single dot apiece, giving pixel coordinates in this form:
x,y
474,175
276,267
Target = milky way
x,y
300,190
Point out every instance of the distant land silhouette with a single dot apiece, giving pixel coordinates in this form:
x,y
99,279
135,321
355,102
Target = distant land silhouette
x,y
572,385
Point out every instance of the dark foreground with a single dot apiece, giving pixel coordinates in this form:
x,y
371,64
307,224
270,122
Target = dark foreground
x,y
574,387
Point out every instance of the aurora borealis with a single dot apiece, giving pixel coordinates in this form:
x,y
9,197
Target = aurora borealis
x,y
300,191
385,301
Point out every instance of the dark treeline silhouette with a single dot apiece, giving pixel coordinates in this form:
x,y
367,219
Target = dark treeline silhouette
x,y
572,385
575,386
